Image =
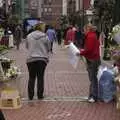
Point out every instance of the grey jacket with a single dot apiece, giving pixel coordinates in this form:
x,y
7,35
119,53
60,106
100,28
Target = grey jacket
x,y
38,46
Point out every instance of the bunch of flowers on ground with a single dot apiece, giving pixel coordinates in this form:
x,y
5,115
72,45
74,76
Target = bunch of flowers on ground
x,y
115,34
115,55
12,72
8,69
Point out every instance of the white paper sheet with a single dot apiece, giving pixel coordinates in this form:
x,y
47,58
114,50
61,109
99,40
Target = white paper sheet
x,y
73,58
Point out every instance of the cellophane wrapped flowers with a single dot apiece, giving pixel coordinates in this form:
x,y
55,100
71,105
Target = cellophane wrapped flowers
x,y
8,69
115,53
115,34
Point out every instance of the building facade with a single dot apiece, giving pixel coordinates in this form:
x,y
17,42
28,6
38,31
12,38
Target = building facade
x,y
51,11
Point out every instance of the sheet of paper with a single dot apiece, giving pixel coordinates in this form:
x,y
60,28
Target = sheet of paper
x,y
73,58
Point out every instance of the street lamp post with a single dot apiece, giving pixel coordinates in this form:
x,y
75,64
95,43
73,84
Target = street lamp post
x,y
6,6
83,13
89,14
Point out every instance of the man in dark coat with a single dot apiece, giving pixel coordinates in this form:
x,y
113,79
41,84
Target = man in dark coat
x,y
18,36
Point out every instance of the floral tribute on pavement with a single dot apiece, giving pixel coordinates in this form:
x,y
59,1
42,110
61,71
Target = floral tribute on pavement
x,y
8,70
115,49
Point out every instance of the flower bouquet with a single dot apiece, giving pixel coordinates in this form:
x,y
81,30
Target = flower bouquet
x,y
7,70
115,34
115,55
6,63
12,72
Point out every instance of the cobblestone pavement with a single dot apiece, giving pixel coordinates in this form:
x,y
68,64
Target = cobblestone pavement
x,y
65,92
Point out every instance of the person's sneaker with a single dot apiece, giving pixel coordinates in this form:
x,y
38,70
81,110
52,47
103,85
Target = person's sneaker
x,y
91,100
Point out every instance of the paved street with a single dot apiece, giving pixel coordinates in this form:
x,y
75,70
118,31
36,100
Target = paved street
x,y
65,92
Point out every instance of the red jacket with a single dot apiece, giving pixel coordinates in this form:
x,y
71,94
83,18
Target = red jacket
x,y
70,36
91,48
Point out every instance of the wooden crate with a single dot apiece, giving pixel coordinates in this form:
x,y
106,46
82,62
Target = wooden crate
x,y
10,99
117,80
118,100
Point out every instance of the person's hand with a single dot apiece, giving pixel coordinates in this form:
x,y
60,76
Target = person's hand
x,y
81,50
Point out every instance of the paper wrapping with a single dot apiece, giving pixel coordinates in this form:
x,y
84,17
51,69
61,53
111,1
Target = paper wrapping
x,y
73,58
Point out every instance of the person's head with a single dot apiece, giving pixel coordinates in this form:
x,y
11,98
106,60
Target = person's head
x,y
89,27
40,26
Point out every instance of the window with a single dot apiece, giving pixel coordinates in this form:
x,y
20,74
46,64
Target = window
x,y
50,1
47,1
49,9
45,9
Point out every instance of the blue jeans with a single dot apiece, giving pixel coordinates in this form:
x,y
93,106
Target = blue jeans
x,y
92,68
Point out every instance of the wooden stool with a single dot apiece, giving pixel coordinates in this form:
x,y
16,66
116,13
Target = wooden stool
x,y
117,80
10,99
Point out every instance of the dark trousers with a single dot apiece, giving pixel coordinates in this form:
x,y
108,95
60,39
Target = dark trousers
x,y
36,69
1,116
18,42
92,68
59,41
51,46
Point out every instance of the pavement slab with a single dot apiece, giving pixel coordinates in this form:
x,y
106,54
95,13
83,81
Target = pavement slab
x,y
63,110
66,91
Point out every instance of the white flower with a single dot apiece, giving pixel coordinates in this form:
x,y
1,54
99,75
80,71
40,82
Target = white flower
x,y
8,74
13,71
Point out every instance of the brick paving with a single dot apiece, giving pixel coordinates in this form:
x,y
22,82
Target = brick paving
x,y
65,89
64,110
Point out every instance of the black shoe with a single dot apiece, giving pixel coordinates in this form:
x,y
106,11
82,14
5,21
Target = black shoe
x,y
40,97
30,98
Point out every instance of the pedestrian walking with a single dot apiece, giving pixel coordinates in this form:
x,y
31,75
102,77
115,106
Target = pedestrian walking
x,y
64,33
38,46
70,35
92,54
1,32
79,38
59,36
9,34
18,36
52,36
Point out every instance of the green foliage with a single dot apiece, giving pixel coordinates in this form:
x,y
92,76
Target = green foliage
x,y
63,22
3,48
13,19
105,9
107,54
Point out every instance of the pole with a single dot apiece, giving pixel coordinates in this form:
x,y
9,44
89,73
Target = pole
x,y
82,13
22,9
6,6
39,8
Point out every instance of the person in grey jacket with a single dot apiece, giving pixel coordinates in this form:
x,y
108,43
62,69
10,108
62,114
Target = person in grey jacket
x,y
38,47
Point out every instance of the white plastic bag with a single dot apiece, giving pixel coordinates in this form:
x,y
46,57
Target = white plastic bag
x,y
100,71
73,58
